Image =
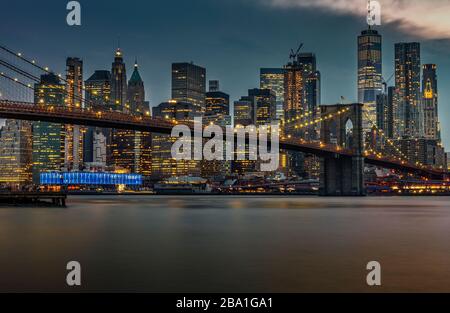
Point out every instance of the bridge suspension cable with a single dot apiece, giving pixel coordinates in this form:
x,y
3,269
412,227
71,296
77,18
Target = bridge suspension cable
x,y
16,80
34,77
20,56
391,143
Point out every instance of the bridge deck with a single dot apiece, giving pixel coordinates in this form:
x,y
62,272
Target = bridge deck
x,y
74,116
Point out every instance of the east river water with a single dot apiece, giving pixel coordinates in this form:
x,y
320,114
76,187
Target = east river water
x,y
228,244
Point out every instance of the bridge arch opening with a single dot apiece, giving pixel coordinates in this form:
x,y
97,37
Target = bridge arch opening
x,y
348,142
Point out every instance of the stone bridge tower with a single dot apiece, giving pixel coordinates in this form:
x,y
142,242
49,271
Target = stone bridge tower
x,y
343,175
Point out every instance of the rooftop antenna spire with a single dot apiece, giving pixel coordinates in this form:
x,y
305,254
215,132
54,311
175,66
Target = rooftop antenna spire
x,y
118,50
369,13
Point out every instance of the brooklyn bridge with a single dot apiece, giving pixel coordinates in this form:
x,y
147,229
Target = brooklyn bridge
x,y
342,161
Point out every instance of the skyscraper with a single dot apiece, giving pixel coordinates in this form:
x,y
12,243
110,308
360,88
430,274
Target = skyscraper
x,y
294,83
311,91
370,81
214,85
98,90
97,97
136,94
385,115
244,112
118,83
265,105
244,115
189,84
142,140
163,165
216,101
74,99
131,149
431,129
407,88
217,106
301,95
48,138
257,108
273,79
301,101
15,153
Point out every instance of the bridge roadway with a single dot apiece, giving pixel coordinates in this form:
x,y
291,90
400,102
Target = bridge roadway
x,y
117,120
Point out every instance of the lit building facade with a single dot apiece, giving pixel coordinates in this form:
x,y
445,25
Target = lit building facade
x,y
189,84
421,151
15,153
273,79
385,114
217,112
163,165
301,102
48,138
136,94
431,128
74,99
244,112
216,101
98,90
264,104
370,81
142,143
118,99
258,108
407,88
131,149
311,91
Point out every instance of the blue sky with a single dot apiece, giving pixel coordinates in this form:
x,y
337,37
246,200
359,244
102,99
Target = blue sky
x,y
231,38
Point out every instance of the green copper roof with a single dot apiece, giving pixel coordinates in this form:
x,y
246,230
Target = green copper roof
x,y
135,77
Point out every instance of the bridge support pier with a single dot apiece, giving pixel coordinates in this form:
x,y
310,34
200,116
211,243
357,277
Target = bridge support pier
x,y
343,175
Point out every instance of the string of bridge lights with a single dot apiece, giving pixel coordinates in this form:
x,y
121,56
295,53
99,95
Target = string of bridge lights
x,y
32,62
16,80
298,117
322,118
391,143
381,133
45,69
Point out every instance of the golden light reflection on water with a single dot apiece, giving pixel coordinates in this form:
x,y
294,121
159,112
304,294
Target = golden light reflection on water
x,y
228,244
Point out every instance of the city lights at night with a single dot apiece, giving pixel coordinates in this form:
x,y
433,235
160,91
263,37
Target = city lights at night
x,y
225,155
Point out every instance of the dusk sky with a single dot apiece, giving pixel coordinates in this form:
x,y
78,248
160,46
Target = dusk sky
x,y
231,38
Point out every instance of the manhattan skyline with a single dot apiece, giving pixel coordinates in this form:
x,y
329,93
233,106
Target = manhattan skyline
x,y
215,36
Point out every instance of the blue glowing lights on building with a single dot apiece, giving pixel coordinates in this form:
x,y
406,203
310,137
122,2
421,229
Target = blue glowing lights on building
x,y
80,178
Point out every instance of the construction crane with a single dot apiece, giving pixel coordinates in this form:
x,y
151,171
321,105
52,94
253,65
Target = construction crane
x,y
294,55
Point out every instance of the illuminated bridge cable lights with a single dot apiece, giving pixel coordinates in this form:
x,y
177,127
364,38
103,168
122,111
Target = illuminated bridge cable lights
x,y
405,160
321,119
29,111
33,62
37,79
21,57
41,68
16,80
298,117
381,133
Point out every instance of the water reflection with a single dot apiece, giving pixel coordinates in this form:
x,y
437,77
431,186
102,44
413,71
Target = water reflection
x,y
228,244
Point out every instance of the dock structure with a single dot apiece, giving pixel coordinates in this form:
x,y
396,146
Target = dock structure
x,y
33,198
